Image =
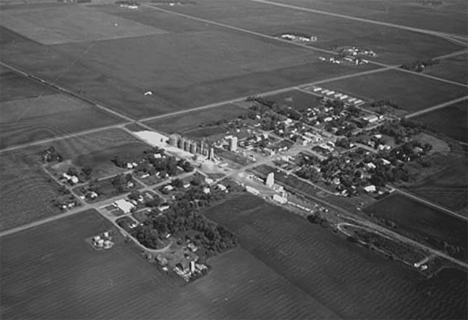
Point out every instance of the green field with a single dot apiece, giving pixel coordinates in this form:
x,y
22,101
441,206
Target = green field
x,y
451,121
410,91
33,119
389,43
351,281
421,222
453,68
189,121
68,279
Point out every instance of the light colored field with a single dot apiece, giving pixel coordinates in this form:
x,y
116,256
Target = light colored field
x,y
411,92
52,115
70,280
63,24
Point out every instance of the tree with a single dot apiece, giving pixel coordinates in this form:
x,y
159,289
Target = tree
x,y
86,170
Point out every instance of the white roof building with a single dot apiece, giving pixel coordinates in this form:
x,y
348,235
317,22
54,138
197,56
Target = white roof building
x,y
124,205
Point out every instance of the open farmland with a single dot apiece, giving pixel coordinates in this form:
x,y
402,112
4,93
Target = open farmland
x,y
26,191
350,280
410,91
65,23
453,68
445,16
389,43
97,150
190,121
297,99
32,119
15,86
71,280
451,121
447,187
419,221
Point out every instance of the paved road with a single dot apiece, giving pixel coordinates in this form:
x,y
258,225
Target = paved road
x,y
439,106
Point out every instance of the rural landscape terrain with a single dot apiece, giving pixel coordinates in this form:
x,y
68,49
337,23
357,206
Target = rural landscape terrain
x,y
233,159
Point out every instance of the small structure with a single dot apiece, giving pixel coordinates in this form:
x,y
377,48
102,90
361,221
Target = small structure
x,y
279,199
124,205
252,190
233,145
370,188
270,180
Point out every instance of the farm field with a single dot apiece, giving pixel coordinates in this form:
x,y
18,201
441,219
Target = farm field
x,y
410,91
71,280
53,115
296,99
449,16
451,121
190,121
63,24
448,187
26,191
196,65
389,43
419,221
346,278
16,87
453,68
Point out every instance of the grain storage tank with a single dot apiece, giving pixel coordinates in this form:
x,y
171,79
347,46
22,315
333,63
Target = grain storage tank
x,y
173,139
193,147
181,143
187,144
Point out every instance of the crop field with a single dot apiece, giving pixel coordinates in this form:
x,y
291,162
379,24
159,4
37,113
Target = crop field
x,y
192,120
296,99
419,221
16,87
32,119
410,91
26,191
63,24
453,68
449,16
97,150
346,278
197,64
71,280
451,121
448,187
389,43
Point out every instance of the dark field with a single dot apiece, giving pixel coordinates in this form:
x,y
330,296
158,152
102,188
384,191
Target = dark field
x,y
451,121
389,43
419,221
297,99
351,281
49,116
448,17
191,120
448,188
71,280
453,68
411,92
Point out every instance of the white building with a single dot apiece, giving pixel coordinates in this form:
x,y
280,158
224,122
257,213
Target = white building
x,y
124,205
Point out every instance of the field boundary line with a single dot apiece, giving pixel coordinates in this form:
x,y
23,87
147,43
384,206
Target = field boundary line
x,y
223,25
436,107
